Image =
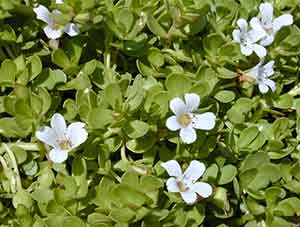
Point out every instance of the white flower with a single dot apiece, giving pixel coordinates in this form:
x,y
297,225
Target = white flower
x,y
59,2
247,39
62,138
269,25
261,73
186,121
186,183
54,30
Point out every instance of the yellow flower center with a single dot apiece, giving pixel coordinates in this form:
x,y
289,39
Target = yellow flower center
x,y
65,145
184,119
181,186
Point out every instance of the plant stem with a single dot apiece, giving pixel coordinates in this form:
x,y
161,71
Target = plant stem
x,y
15,166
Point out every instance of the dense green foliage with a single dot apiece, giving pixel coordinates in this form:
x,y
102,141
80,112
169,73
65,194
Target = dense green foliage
x,y
118,76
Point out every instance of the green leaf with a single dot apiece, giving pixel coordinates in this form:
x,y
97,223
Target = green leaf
x,y
225,96
22,197
99,118
60,59
42,195
73,221
155,57
8,73
136,129
50,78
155,27
177,85
228,173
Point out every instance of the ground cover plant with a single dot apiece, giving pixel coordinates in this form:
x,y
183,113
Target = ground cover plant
x,y
149,113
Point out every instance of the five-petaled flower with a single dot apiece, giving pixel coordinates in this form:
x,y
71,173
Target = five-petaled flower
x,y
261,74
62,138
54,29
186,183
248,39
267,24
186,121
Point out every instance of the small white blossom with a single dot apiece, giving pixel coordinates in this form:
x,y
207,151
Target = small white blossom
x,y
54,30
186,183
269,25
261,74
59,2
248,39
186,121
62,138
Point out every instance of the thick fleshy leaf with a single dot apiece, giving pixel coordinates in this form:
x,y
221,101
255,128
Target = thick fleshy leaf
x,y
71,29
42,13
173,124
192,101
172,185
281,21
172,167
58,124
189,196
53,33
76,133
202,189
58,156
266,11
177,106
194,171
47,135
188,135
205,121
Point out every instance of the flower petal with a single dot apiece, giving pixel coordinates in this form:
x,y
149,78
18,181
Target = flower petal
x,y
243,25
52,33
188,135
202,189
59,2
236,34
58,156
259,50
172,167
256,24
71,29
42,13
172,185
189,196
205,121
253,72
177,106
194,171
77,133
172,123
271,84
267,40
266,11
246,50
268,68
58,124
47,135
255,35
284,20
263,88
192,101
